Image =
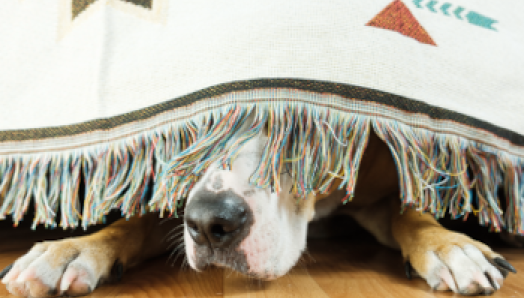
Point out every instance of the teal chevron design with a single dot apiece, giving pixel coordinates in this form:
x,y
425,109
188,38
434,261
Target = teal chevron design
x,y
472,17
444,8
417,3
480,20
431,5
458,11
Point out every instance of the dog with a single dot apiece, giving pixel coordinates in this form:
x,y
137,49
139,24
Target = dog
x,y
230,223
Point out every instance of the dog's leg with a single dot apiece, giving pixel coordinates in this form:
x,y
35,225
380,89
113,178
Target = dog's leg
x,y
75,266
376,219
512,239
446,259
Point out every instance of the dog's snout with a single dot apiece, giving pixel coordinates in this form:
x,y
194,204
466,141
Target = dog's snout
x,y
218,219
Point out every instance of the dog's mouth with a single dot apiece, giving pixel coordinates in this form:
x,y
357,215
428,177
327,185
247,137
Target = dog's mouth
x,y
234,258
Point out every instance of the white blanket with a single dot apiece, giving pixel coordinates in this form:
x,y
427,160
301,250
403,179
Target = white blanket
x,y
84,81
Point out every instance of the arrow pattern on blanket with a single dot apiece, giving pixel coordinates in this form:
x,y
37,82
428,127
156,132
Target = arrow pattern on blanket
x,y
431,5
444,8
458,11
471,16
476,18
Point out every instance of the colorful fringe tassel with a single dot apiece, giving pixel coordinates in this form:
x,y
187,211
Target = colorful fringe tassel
x,y
438,173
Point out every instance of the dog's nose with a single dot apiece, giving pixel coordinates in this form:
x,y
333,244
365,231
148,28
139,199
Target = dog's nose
x,y
217,219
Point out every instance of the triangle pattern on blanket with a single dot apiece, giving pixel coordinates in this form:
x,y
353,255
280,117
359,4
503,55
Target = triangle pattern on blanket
x,y
397,17
79,6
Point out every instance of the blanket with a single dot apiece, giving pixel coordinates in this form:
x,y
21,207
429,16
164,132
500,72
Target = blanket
x,y
104,102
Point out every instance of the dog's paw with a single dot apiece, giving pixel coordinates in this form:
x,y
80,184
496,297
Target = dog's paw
x,y
458,263
69,267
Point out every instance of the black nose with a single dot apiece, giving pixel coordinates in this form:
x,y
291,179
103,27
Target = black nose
x,y
218,219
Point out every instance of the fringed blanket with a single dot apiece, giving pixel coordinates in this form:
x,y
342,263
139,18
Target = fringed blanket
x,y
121,96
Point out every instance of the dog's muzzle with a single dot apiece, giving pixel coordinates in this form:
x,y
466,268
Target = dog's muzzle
x,y
218,220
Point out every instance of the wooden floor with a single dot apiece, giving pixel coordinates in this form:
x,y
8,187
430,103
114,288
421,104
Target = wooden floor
x,y
332,268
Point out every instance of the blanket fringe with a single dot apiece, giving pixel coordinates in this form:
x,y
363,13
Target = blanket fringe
x,y
439,173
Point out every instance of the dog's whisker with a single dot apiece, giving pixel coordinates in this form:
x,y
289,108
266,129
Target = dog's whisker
x,y
164,220
176,236
177,255
309,255
172,244
173,240
179,245
174,255
174,252
177,252
185,265
175,243
302,261
178,241
174,230
177,233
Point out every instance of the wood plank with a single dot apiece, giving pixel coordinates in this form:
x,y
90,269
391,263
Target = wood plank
x,y
298,283
332,268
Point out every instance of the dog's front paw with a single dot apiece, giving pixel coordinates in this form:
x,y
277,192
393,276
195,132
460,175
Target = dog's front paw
x,y
458,263
69,267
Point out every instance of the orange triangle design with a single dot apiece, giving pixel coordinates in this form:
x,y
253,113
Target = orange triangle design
x,y
397,17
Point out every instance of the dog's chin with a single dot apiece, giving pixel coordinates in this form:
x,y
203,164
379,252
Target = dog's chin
x,y
250,257
241,268
233,260
202,258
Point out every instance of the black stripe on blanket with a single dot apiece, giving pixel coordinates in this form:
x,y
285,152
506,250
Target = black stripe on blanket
x,y
350,92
